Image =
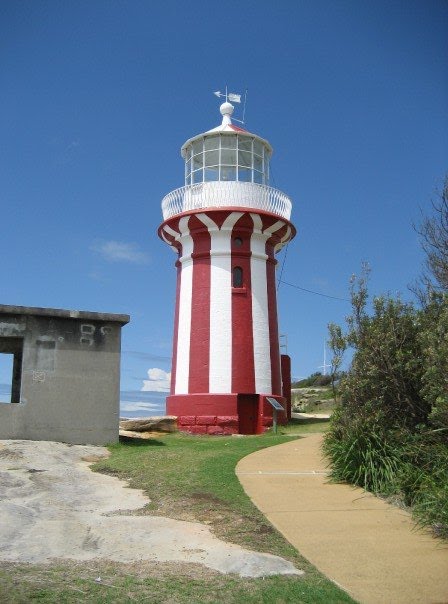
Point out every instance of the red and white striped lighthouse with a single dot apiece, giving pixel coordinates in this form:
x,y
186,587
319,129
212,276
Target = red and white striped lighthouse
x,y
226,224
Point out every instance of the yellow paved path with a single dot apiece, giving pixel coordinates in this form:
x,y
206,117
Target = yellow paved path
x,y
368,547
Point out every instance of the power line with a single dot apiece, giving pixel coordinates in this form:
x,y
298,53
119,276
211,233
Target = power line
x,y
283,265
310,291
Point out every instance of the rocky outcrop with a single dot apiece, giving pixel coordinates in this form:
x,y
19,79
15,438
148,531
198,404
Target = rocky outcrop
x,y
314,399
167,423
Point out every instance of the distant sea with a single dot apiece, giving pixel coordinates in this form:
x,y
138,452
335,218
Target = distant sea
x,y
134,403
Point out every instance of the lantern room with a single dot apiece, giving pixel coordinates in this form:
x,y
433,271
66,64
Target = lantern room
x,y
226,166
227,153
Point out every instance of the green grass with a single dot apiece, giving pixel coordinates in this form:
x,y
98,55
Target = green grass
x,y
188,478
161,584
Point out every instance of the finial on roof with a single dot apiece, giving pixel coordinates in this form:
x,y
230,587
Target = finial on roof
x,y
226,110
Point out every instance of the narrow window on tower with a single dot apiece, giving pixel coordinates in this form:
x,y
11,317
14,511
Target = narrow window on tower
x,y
237,276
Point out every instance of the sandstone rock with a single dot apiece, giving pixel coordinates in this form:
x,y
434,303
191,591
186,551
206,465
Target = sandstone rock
x,y
166,423
141,435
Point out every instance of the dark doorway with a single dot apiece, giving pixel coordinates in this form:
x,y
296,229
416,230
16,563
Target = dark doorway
x,y
248,413
14,347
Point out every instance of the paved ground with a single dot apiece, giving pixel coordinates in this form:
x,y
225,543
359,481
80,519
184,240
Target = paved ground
x,y
53,506
369,548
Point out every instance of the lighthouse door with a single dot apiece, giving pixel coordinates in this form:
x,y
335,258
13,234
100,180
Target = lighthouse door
x,y
247,413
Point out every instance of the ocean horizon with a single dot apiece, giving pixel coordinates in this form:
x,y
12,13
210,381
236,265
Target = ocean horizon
x,y
136,403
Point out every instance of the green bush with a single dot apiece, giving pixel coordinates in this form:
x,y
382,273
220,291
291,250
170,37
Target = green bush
x,y
434,341
306,382
322,380
315,379
390,434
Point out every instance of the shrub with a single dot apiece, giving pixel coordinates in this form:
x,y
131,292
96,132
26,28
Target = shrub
x,y
322,380
307,382
362,452
391,432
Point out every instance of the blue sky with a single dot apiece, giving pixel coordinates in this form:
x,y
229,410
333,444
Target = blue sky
x,y
98,97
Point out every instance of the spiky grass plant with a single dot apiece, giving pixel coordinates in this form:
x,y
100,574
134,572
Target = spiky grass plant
x,y
360,453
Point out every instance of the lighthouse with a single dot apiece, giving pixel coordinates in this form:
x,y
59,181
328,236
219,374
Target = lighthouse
x,y
225,225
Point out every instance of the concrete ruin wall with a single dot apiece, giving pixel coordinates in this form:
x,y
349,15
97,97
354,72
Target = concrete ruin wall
x,y
66,375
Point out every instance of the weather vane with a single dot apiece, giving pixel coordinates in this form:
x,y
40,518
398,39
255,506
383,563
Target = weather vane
x,y
233,97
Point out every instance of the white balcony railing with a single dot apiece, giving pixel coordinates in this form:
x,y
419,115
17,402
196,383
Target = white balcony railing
x,y
221,194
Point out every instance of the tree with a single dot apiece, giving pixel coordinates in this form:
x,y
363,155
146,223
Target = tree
x,y
387,366
433,231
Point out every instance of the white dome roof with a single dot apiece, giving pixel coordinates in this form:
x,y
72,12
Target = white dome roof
x,y
226,126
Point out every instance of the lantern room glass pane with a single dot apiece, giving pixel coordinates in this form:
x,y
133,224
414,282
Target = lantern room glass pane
x,y
228,157
228,173
188,179
212,158
258,148
197,176
188,154
244,174
245,159
258,177
197,146
211,142
228,142
211,174
198,161
245,144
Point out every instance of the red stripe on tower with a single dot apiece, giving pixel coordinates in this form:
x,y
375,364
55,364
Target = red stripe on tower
x,y
243,372
200,309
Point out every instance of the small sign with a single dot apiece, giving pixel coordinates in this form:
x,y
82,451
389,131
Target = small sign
x,y
38,376
275,404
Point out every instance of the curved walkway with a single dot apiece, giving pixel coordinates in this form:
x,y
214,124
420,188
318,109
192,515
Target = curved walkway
x,y
368,547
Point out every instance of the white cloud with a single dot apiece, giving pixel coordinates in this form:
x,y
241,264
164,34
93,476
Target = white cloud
x,y
159,381
120,251
137,406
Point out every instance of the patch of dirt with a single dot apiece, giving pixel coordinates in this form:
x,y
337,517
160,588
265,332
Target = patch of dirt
x,y
10,454
208,498
95,458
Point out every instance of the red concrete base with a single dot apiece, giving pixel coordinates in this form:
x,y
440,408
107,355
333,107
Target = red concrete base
x,y
208,424
223,414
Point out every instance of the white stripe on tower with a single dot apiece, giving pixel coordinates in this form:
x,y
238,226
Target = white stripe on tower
x,y
286,237
185,297
260,317
220,372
